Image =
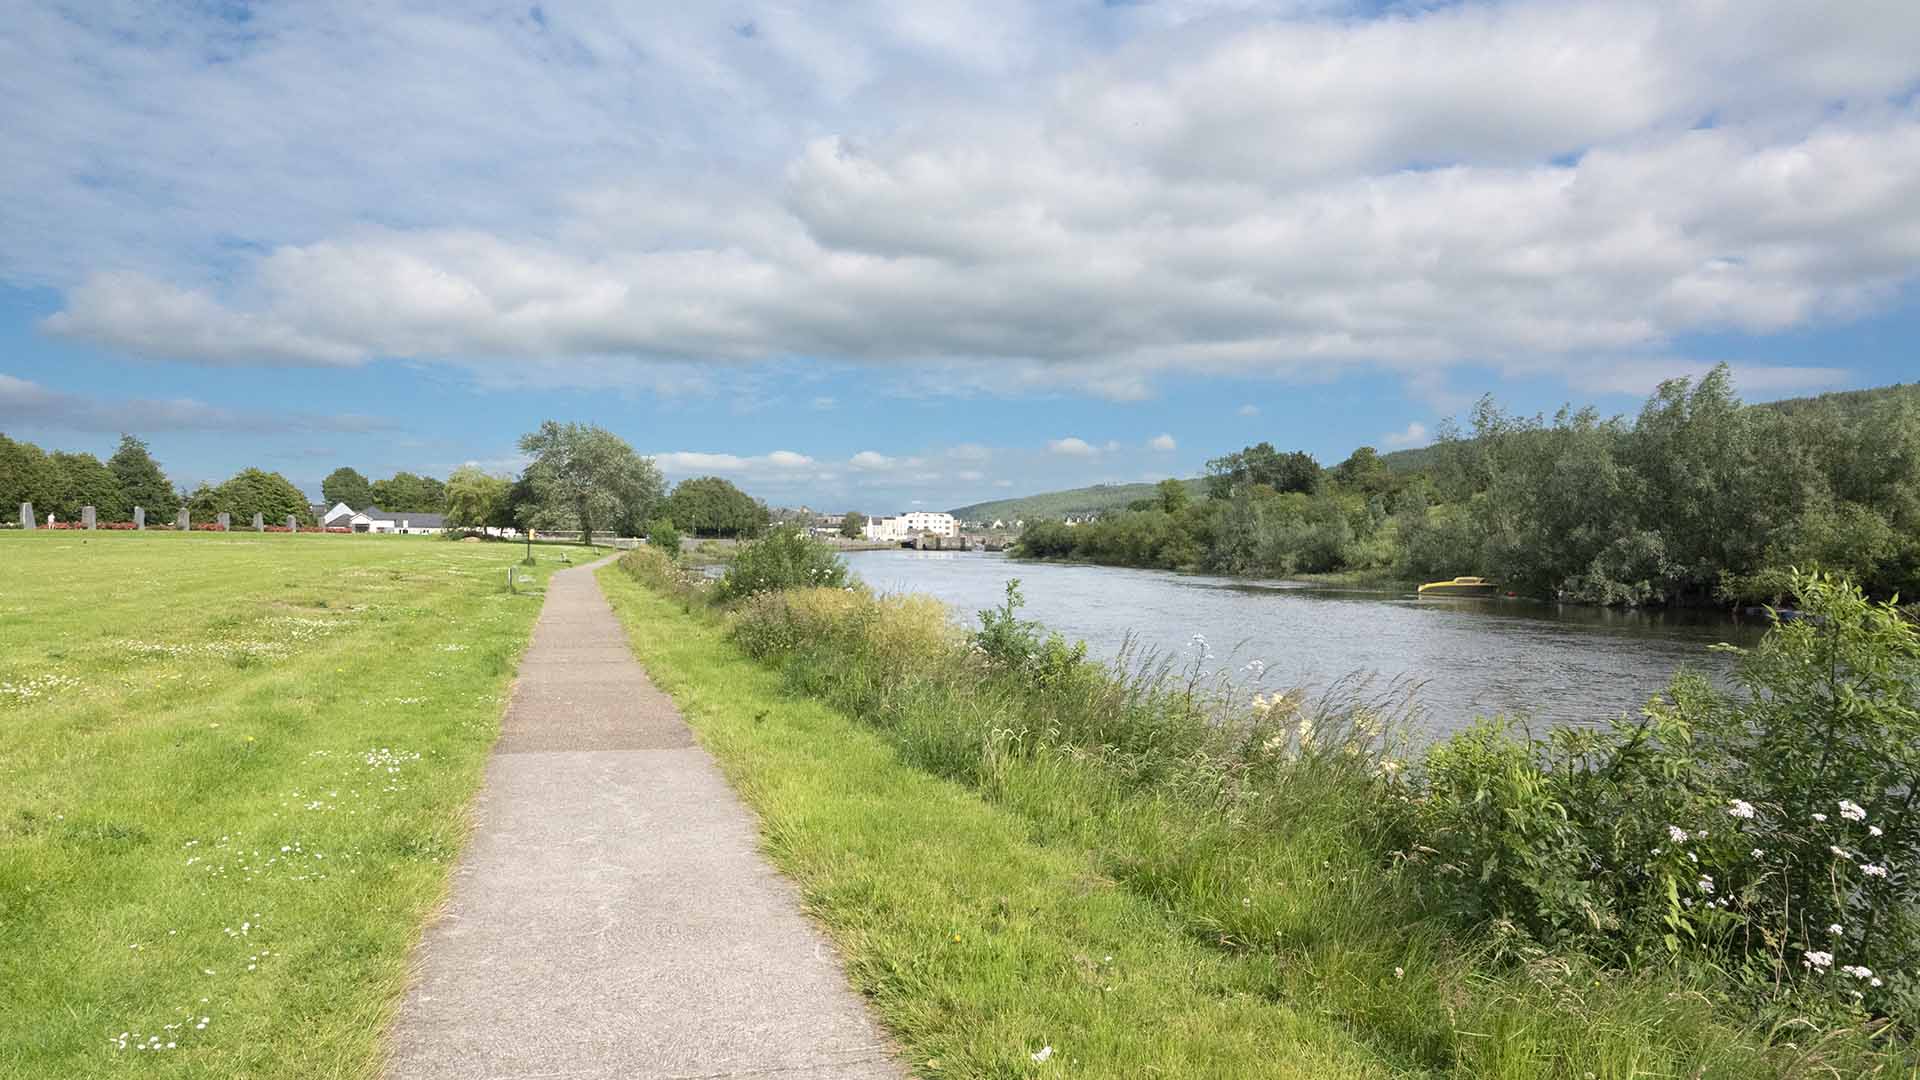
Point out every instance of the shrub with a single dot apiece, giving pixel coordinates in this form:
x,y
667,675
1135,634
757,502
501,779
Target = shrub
x,y
662,536
786,559
1771,832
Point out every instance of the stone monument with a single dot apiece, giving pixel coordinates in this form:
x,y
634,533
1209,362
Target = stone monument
x,y
259,523
27,520
293,524
183,521
139,518
86,517
226,521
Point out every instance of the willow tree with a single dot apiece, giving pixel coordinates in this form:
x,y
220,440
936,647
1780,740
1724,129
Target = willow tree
x,y
588,478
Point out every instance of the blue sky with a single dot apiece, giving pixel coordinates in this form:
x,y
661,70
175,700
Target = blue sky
x,y
894,254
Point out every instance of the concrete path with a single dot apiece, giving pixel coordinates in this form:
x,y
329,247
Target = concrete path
x,y
612,916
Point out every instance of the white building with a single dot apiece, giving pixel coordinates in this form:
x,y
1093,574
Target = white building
x,y
906,526
375,520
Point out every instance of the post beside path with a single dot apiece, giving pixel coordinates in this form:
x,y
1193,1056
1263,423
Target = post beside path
x,y
612,916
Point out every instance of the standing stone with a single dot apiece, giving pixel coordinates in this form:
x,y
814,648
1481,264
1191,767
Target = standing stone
x,y
27,520
139,518
183,521
293,524
226,521
259,523
86,517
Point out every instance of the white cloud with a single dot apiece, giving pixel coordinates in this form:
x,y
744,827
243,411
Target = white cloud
x,y
1071,447
871,460
26,405
1415,434
985,197
787,459
1248,410
1162,442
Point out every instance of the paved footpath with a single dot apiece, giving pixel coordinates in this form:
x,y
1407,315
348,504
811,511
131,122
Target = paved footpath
x,y
612,916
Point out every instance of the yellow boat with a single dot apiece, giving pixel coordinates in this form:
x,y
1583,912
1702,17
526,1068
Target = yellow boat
x,y
1460,586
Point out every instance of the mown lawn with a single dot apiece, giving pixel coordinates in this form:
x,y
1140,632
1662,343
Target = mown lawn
x,y
234,773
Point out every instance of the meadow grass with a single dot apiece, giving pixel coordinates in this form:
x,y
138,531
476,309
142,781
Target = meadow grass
x,y
1008,869
234,773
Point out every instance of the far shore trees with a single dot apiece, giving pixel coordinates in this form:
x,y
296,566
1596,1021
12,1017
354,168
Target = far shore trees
x,y
853,526
712,506
587,478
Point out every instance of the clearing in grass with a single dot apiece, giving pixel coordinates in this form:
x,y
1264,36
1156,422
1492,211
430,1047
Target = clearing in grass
x,y
234,772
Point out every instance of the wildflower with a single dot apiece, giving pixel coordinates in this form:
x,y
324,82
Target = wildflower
x,y
1741,809
1043,1054
1836,928
1857,971
1874,830
1677,834
1820,818
1757,853
1875,981
1817,961
1399,973
1705,884
1852,811
1839,852
1872,870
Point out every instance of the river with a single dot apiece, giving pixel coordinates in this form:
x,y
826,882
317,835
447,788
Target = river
x,y
1470,657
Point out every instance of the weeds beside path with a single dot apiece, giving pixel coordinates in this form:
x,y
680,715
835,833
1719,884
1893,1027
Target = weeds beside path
x,y
234,772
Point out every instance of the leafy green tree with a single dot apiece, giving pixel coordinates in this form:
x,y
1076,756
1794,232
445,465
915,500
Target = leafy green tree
x,y
1363,471
26,475
662,534
407,492
712,506
474,496
142,483
250,492
588,478
1262,465
84,481
347,485
853,525
1172,496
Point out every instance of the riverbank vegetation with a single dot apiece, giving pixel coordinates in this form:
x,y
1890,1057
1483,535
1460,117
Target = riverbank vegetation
x,y
1699,499
234,775
1018,847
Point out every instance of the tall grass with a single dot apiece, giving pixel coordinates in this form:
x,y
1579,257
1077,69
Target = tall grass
x,y
1268,834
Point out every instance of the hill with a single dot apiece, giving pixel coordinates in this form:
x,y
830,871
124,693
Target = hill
x,y
1056,504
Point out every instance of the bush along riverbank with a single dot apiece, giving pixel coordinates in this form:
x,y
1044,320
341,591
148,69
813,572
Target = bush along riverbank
x,y
1723,887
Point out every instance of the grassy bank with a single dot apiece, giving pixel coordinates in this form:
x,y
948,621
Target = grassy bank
x,y
1022,855
234,772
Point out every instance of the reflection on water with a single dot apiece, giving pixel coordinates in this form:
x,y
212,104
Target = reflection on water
x,y
1472,656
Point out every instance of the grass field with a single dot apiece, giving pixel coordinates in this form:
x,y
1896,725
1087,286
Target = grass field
x,y
234,772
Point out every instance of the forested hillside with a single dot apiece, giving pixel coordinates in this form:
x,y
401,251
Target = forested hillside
x,y
1698,499
1058,504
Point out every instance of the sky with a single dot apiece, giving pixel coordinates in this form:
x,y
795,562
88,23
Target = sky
x,y
896,254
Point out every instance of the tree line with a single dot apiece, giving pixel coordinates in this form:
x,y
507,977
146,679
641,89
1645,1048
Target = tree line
x,y
579,477
1698,499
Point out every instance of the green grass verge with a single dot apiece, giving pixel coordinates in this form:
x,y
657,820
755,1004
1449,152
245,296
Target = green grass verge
x,y
993,899
234,773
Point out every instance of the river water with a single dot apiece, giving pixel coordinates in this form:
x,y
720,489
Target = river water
x,y
1550,663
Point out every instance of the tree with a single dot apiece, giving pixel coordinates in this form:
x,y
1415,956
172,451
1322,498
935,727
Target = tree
x,y
1172,495
346,485
661,534
712,506
250,492
142,483
26,475
84,481
474,496
405,491
1262,464
1363,471
587,477
853,526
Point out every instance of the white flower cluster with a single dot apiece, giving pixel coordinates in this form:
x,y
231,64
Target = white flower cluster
x,y
17,693
1741,808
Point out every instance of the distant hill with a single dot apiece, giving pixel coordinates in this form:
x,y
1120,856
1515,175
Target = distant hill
x,y
1056,504
1093,500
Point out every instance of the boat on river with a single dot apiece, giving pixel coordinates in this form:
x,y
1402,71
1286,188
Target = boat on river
x,y
1460,586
